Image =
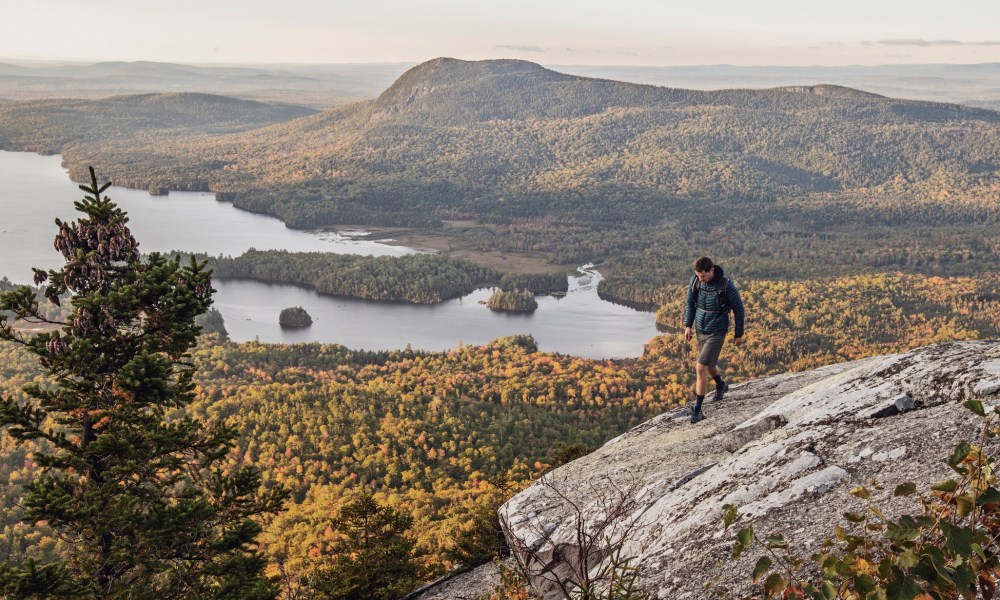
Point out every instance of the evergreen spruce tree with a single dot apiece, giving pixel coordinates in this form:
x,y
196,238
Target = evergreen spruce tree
x,y
133,483
375,560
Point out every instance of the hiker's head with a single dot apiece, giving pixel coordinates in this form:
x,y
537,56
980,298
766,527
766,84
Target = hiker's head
x,y
704,269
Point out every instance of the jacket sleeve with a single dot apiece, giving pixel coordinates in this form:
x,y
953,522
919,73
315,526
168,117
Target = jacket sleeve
x,y
733,297
691,306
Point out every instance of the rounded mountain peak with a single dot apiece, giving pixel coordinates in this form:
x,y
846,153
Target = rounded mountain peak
x,y
449,71
456,86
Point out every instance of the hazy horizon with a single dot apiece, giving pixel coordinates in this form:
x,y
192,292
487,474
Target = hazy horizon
x,y
556,32
60,62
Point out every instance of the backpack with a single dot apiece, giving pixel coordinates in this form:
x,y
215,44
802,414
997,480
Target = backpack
x,y
720,293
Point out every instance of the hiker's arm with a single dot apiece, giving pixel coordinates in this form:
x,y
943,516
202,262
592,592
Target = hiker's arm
x,y
690,306
733,296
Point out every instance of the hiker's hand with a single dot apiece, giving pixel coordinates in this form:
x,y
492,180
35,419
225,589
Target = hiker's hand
x,y
687,333
738,341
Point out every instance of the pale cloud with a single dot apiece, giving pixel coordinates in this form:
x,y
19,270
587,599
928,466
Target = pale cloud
x,y
920,42
519,48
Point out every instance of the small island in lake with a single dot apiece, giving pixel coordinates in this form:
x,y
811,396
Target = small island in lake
x,y
295,317
513,301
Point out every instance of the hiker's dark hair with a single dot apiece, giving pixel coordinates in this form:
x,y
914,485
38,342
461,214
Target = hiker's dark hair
x,y
703,264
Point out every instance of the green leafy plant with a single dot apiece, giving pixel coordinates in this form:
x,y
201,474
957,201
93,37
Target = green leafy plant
x,y
948,550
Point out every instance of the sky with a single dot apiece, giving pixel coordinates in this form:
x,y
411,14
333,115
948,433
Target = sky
x,y
551,32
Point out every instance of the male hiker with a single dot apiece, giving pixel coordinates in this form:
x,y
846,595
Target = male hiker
x,y
711,295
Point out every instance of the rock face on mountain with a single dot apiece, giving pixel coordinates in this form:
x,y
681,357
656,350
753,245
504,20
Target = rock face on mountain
x,y
786,450
830,90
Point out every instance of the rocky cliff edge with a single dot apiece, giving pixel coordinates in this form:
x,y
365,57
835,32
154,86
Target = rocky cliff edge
x,y
786,450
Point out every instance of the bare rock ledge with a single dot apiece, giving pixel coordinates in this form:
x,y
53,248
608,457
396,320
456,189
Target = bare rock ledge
x,y
785,449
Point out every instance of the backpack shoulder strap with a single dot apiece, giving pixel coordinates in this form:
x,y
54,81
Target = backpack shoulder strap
x,y
721,293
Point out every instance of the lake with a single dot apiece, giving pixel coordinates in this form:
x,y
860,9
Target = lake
x,y
37,190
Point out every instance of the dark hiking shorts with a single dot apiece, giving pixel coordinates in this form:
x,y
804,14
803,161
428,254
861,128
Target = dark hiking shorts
x,y
709,347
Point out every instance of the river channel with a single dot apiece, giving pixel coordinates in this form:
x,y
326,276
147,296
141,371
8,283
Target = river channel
x,y
37,190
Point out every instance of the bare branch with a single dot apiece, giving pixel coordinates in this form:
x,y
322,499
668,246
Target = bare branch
x,y
586,560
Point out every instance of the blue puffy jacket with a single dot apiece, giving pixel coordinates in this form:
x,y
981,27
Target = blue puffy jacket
x,y
706,305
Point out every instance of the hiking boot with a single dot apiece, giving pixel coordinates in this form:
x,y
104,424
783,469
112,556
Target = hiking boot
x,y
698,416
720,391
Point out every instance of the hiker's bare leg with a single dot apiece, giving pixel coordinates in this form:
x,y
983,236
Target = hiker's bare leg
x,y
701,386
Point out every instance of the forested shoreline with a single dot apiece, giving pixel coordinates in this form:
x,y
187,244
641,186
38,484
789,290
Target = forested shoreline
x,y
415,278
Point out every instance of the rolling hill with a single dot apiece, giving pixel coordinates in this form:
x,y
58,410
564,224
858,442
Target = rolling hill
x,y
582,169
320,86
509,139
50,126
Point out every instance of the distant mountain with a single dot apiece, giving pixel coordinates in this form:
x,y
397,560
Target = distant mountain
x,y
313,85
452,136
50,125
506,139
446,91
141,68
972,84
15,70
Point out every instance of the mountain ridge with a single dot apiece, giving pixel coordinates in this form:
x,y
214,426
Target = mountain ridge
x,y
827,89
504,140
49,126
501,80
492,126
